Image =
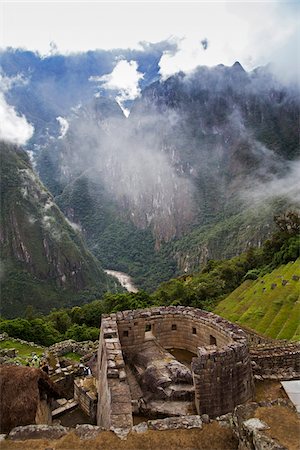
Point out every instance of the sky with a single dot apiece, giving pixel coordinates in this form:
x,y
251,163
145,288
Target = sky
x,y
252,32
206,33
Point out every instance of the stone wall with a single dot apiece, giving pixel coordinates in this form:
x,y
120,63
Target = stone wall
x,y
222,379
86,395
277,359
69,346
114,401
221,370
173,327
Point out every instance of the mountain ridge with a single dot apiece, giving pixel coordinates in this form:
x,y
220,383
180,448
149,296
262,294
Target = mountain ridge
x,y
43,257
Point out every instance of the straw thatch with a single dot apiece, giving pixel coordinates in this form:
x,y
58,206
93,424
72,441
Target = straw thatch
x,y
21,389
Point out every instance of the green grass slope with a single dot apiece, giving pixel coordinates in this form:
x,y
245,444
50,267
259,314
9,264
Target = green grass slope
x,y
269,305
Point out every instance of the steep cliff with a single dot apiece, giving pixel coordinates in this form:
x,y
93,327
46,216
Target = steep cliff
x,y
202,163
44,262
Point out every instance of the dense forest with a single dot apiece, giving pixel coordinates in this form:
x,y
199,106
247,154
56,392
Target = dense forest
x,y
203,290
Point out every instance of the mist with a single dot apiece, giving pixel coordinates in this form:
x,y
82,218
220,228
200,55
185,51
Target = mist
x,y
189,149
283,186
131,160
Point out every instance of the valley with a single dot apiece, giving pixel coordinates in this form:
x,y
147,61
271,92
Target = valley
x,y
149,225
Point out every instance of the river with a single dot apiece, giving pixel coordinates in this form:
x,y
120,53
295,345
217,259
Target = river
x,y
124,279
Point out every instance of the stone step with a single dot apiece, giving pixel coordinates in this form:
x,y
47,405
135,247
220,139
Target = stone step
x,y
68,406
170,408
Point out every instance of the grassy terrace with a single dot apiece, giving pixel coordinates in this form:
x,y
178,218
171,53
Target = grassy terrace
x,y
24,350
72,355
269,305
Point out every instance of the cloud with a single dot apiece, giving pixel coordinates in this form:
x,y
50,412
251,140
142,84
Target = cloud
x,y
124,79
253,34
6,83
64,126
286,185
189,54
13,127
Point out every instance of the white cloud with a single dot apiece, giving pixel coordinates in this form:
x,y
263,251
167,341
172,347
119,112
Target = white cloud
x,y
252,33
6,83
13,127
64,126
124,79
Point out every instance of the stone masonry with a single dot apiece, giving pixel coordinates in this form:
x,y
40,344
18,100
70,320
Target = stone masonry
x,y
114,401
221,368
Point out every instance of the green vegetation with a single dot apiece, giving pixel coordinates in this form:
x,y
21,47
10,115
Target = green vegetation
x,y
72,355
270,305
24,350
272,310
113,238
120,245
44,261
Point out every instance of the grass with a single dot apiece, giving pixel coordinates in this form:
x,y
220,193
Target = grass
x,y
72,355
24,350
267,305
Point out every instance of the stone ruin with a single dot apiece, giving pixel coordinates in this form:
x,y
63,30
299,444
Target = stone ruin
x,y
137,373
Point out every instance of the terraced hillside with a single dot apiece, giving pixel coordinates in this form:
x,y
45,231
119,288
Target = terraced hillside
x,y
269,305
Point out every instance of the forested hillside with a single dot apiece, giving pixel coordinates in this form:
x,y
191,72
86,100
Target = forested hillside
x,y
44,261
250,278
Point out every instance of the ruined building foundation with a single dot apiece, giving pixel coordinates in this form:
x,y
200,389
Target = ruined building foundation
x,y
221,369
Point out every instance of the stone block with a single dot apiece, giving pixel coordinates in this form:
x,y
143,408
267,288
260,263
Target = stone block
x,y
87,431
175,423
38,432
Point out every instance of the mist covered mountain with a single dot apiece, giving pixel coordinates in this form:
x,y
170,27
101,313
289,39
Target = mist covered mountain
x,y
44,262
195,172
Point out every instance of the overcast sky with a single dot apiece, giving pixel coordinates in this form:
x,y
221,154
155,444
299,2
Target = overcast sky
x,y
251,32
206,33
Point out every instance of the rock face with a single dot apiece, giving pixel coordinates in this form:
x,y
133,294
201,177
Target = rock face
x,y
160,374
45,260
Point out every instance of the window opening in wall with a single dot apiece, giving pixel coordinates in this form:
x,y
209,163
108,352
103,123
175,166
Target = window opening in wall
x,y
125,333
110,335
194,330
174,326
149,332
212,340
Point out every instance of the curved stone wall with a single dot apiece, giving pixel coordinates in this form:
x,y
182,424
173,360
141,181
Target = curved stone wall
x,y
221,367
176,326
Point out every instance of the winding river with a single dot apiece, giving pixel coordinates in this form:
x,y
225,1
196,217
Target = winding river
x,y
124,279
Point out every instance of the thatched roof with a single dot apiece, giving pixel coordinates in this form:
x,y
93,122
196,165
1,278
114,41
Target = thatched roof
x,y
20,391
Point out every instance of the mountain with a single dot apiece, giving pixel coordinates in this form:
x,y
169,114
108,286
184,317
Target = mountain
x,y
185,167
269,305
44,87
44,262
196,172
